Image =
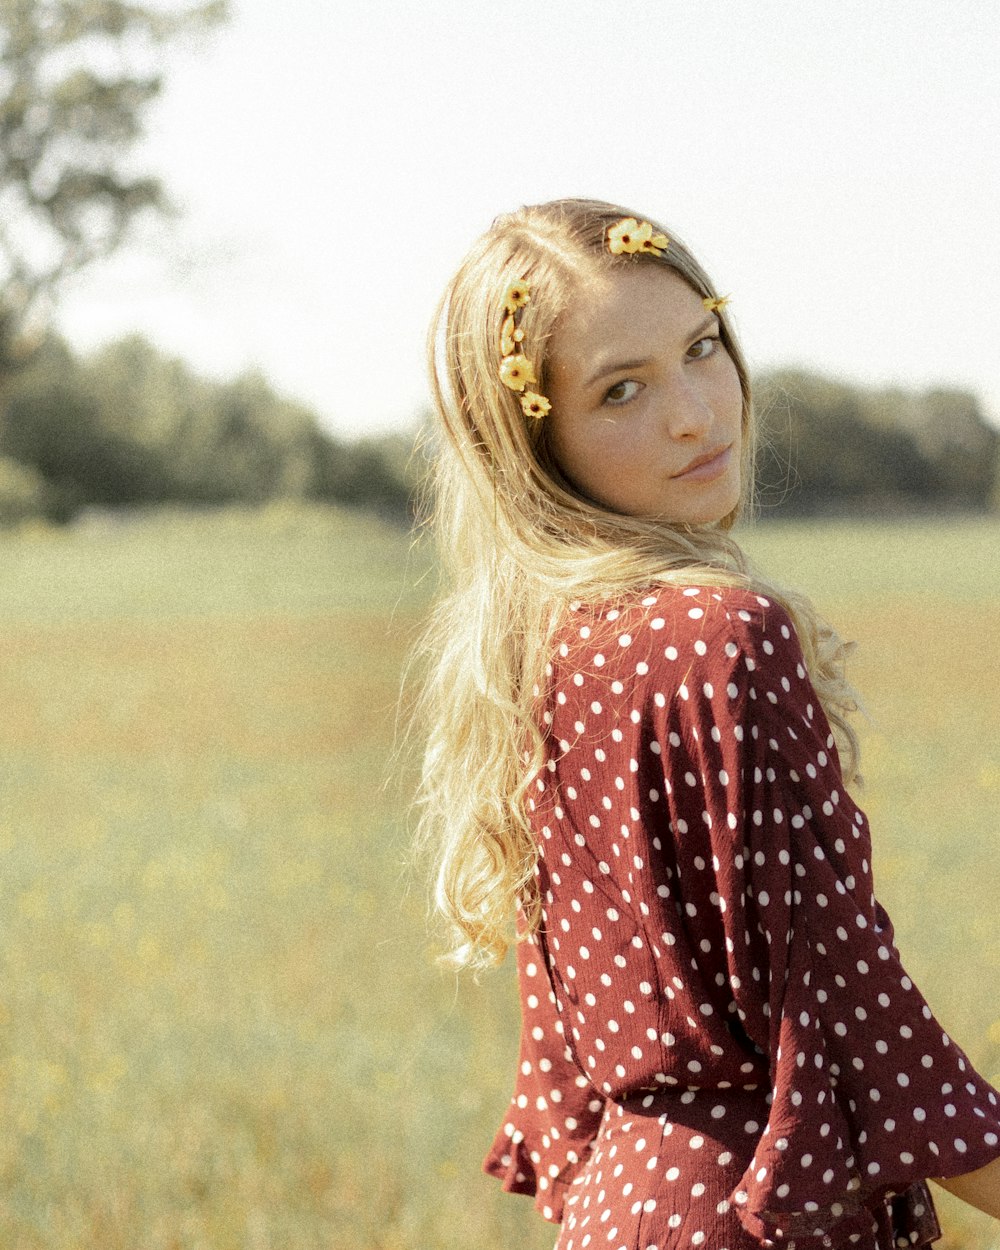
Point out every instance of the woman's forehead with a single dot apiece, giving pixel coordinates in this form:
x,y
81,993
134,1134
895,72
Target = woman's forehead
x,y
625,302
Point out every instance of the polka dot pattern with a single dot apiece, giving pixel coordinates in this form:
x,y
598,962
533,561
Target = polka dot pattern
x,y
720,1045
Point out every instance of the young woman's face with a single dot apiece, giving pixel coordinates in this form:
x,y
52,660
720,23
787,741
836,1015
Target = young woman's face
x,y
646,404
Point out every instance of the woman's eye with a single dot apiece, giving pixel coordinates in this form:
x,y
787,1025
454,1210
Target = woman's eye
x,y
704,347
622,392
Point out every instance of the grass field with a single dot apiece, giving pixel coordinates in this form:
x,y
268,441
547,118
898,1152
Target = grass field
x,y
219,1025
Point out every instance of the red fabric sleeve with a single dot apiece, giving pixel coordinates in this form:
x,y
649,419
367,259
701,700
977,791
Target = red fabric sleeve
x,y
554,1113
869,1093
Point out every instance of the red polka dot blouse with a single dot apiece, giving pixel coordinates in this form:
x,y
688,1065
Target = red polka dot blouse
x,y
720,1046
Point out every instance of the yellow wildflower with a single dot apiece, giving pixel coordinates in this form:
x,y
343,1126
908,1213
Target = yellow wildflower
x,y
517,296
535,405
621,237
656,244
717,303
509,336
516,372
630,236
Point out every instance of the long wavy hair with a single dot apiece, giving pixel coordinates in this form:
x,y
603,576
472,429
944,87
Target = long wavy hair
x,y
517,544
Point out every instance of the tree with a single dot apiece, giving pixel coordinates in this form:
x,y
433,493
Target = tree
x,y
130,426
75,83
829,445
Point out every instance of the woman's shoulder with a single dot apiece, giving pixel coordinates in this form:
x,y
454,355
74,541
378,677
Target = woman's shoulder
x,y
667,623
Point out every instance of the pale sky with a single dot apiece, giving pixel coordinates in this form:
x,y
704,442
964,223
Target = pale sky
x,y
834,165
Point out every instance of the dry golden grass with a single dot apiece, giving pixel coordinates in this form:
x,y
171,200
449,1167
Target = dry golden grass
x,y
219,1028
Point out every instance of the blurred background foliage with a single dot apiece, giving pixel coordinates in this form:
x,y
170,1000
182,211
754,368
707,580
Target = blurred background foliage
x,y
77,78
831,447
131,427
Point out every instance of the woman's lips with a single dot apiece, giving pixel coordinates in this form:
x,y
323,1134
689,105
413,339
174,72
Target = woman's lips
x,y
705,468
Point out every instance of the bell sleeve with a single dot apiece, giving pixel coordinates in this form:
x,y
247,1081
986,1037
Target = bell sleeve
x,y
869,1094
554,1113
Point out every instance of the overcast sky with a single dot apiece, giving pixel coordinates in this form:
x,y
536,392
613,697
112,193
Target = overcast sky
x,y
833,164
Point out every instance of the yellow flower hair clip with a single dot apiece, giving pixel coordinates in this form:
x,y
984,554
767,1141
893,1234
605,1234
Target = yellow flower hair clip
x,y
518,294
535,405
516,370
630,236
716,303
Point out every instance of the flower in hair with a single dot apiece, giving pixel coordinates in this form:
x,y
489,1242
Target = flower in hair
x,y
630,236
517,371
510,336
535,405
716,303
516,297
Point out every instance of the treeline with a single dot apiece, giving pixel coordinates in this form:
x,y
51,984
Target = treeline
x,y
128,426
831,447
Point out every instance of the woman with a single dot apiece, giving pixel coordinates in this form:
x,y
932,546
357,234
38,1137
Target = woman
x,y
642,746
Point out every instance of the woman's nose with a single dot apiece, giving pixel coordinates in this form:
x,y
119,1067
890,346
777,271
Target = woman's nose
x,y
687,411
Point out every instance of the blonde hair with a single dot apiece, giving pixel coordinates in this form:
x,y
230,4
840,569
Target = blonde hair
x,y
517,544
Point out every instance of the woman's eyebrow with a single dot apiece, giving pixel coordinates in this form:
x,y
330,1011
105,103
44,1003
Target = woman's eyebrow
x,y
615,366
